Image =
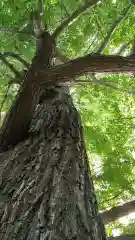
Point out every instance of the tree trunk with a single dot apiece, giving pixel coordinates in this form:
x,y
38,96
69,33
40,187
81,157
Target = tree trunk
x,y
46,191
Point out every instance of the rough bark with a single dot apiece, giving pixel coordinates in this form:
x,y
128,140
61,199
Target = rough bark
x,y
45,183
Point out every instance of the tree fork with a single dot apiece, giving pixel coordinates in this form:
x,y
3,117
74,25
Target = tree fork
x,y
16,124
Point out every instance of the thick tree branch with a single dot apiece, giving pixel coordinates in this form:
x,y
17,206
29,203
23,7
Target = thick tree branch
x,y
118,211
112,29
19,117
88,64
16,56
123,237
75,14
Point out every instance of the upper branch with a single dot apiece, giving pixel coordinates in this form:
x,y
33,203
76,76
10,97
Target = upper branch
x,y
112,29
11,67
41,7
124,47
37,25
16,56
74,15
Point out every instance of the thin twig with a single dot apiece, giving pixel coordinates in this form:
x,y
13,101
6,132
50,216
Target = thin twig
x,y
91,44
11,30
6,75
129,118
65,9
41,7
4,99
101,82
19,30
74,16
16,56
11,67
99,24
112,198
104,83
124,47
132,2
112,29
133,47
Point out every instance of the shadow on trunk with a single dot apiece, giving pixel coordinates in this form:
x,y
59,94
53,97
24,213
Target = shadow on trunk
x,y
46,191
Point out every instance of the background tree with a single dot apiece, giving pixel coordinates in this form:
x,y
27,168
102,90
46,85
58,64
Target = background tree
x,y
32,173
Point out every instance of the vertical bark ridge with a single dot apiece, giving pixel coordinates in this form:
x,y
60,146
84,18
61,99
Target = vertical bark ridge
x,y
46,180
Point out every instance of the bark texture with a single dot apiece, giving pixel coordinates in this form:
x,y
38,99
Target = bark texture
x,y
46,191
